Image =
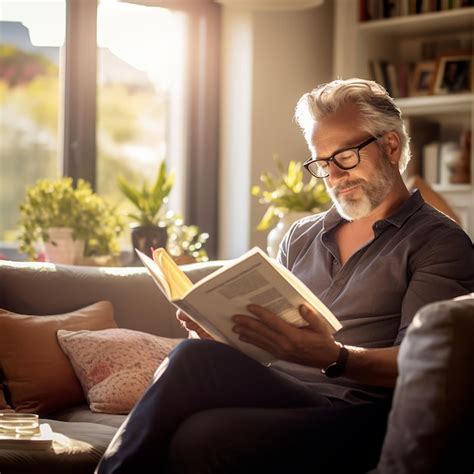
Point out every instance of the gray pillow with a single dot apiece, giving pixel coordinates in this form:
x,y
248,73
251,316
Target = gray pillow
x,y
431,421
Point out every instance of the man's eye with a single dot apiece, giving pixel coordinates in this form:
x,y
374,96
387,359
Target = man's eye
x,y
346,156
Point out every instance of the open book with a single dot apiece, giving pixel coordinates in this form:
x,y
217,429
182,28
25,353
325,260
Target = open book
x,y
252,278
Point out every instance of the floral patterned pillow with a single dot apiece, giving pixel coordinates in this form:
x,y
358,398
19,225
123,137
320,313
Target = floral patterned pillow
x,y
114,366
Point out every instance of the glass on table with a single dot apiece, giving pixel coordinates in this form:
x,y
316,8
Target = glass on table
x,y
19,424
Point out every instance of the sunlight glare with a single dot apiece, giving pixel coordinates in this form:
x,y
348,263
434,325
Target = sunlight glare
x,y
148,38
45,20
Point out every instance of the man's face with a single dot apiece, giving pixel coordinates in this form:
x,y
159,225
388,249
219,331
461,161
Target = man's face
x,y
356,192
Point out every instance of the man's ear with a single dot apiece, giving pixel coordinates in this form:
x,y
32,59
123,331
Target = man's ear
x,y
393,147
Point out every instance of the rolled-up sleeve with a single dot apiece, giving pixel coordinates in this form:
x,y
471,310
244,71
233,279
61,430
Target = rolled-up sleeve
x,y
443,270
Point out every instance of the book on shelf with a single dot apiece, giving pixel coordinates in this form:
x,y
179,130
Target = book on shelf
x,y
430,162
252,278
379,9
40,439
393,77
421,132
448,153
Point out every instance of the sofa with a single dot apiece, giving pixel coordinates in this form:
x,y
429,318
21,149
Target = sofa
x,y
431,405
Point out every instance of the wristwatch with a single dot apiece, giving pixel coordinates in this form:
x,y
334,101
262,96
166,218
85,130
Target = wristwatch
x,y
336,369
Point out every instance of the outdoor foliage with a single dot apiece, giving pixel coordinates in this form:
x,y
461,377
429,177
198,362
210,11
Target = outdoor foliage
x,y
29,142
20,67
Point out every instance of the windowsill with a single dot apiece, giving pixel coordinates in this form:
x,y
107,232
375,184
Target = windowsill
x,y
9,251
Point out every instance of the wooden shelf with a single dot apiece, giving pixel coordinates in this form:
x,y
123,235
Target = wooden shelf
x,y
436,104
452,188
406,39
461,19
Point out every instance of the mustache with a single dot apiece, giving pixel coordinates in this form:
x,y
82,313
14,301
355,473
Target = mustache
x,y
346,185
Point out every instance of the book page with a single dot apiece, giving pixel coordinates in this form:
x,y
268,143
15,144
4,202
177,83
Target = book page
x,y
177,280
253,278
156,273
311,298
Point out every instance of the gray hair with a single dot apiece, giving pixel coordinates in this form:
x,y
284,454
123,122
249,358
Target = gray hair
x,y
379,112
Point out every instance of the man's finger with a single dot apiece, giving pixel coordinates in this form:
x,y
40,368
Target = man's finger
x,y
314,319
271,319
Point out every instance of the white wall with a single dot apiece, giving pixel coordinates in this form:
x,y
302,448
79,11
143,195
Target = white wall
x,y
269,60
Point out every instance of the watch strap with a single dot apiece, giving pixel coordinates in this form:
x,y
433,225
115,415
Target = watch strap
x,y
336,369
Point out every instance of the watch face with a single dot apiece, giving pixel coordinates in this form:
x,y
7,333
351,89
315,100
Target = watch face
x,y
333,370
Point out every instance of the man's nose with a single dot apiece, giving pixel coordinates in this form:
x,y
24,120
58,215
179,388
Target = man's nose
x,y
335,173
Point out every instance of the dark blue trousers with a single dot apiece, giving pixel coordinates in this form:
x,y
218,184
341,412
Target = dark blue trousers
x,y
211,409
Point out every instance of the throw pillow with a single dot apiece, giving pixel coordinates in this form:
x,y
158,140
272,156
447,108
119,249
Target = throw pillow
x,y
38,375
115,366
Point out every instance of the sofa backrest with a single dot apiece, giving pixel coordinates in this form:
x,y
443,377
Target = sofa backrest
x,y
44,288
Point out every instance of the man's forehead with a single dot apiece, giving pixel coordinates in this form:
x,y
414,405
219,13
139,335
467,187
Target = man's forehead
x,y
327,138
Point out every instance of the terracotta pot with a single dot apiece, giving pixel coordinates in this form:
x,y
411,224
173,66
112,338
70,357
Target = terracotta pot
x,y
62,248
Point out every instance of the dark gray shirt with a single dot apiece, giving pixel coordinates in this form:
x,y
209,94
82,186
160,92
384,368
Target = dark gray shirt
x,y
417,256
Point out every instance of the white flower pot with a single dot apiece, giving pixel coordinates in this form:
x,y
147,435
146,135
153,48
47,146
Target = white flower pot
x,y
275,236
62,248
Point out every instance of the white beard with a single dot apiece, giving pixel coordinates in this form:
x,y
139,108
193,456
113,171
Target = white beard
x,y
373,192
352,209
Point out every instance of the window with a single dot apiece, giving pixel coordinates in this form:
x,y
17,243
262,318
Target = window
x,y
147,100
140,78
29,100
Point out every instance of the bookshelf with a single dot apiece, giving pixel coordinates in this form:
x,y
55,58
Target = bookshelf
x,y
409,40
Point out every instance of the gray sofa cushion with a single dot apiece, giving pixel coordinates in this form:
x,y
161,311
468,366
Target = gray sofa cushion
x,y
45,288
78,451
83,414
430,424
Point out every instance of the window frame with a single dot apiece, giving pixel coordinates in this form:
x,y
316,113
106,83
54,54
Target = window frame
x,y
78,104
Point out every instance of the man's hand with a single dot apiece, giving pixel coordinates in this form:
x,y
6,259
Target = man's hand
x,y
195,331
312,345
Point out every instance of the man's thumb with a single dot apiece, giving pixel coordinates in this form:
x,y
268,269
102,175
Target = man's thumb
x,y
315,320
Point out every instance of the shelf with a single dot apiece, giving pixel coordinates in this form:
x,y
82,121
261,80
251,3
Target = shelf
x,y
461,19
451,188
436,104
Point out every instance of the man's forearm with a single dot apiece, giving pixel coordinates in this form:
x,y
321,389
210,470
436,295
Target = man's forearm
x,y
372,366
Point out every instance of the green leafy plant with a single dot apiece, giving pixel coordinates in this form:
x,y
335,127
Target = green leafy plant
x,y
186,240
148,200
288,192
57,203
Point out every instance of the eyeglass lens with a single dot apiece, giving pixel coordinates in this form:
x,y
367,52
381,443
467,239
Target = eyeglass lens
x,y
345,160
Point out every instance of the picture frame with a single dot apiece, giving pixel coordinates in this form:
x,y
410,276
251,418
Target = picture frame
x,y
422,78
454,74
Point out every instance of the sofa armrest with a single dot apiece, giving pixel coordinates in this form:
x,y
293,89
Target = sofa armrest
x,y
432,411
45,288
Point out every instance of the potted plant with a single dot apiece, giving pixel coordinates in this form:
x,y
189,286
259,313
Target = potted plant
x,y
71,222
149,227
288,198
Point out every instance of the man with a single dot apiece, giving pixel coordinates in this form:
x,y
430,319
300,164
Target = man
x,y
374,259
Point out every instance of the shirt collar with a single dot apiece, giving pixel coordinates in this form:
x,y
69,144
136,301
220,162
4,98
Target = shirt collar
x,y
407,209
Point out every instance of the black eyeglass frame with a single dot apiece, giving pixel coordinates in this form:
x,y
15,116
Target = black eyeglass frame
x,y
332,158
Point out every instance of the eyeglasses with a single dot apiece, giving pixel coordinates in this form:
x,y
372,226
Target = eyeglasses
x,y
345,159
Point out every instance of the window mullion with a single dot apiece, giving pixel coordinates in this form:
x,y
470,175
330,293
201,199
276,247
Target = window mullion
x,y
78,124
